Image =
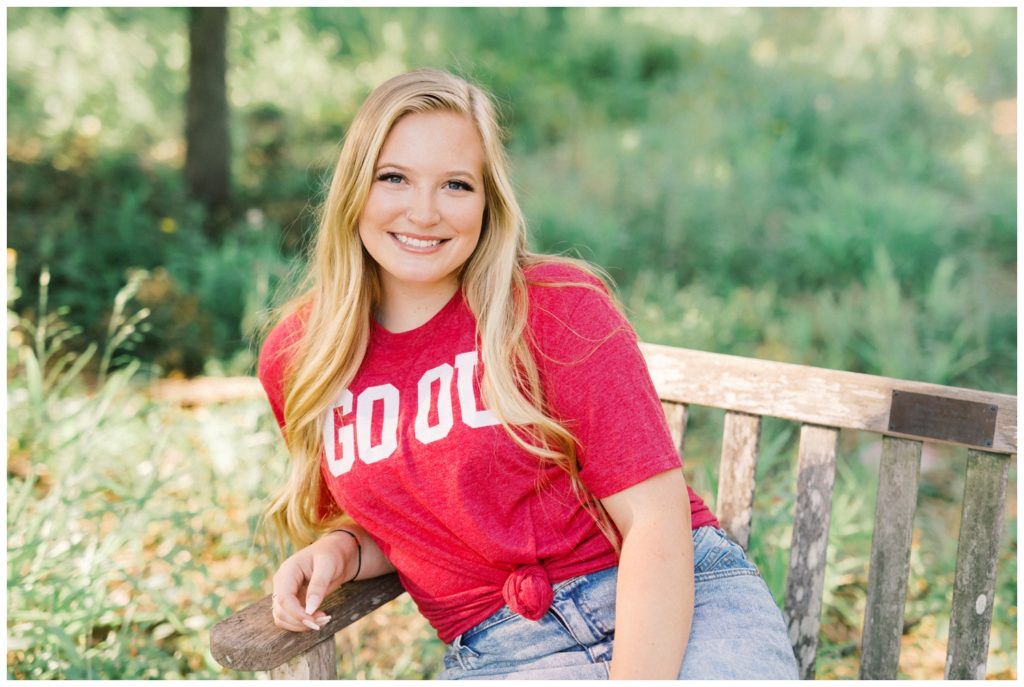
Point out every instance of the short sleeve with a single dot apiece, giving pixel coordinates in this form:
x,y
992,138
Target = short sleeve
x,y
273,362
596,382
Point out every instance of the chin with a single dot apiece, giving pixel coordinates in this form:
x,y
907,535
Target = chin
x,y
423,280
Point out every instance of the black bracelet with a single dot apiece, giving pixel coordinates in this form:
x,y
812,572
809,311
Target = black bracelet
x,y
359,553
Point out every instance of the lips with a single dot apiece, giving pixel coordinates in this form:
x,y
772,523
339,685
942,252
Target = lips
x,y
416,242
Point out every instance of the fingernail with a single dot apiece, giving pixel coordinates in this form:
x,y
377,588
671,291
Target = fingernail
x,y
310,624
311,604
323,620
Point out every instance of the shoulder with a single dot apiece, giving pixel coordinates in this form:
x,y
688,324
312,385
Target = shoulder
x,y
279,341
569,304
561,285
276,353
560,273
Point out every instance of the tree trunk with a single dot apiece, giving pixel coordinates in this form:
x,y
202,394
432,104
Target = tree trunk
x,y
207,146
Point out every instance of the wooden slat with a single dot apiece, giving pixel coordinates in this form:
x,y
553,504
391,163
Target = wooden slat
x,y
829,398
890,558
318,663
734,508
807,555
249,640
981,526
676,414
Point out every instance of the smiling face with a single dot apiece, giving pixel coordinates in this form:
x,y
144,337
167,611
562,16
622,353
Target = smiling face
x,y
423,215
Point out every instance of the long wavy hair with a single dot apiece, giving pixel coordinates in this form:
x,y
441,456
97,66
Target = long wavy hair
x,y
343,289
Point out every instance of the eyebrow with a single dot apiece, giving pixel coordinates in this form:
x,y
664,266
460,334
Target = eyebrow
x,y
452,173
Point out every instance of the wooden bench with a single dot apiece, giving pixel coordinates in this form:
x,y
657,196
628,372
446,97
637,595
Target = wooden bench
x,y
823,402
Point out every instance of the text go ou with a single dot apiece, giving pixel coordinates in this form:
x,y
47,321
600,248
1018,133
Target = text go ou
x,y
380,404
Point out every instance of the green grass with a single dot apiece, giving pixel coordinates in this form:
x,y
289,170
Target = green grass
x,y
131,521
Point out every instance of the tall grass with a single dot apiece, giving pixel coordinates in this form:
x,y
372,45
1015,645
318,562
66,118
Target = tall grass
x,y
131,520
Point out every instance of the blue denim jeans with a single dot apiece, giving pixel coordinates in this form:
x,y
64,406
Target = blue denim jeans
x,y
737,632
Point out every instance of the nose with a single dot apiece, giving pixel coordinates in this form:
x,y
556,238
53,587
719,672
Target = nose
x,y
422,210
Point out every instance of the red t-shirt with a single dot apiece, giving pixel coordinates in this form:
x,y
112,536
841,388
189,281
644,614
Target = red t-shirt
x,y
414,457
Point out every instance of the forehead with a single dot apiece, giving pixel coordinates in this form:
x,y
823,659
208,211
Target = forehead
x,y
434,141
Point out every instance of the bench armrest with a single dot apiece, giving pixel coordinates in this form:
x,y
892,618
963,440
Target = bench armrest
x,y
249,640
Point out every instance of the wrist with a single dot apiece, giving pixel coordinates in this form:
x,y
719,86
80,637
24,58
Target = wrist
x,y
353,552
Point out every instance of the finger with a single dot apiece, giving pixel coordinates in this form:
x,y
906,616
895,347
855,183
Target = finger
x,y
319,583
304,626
287,604
289,621
289,609
285,621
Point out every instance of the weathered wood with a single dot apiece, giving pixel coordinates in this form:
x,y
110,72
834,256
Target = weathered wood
x,y
981,525
676,414
890,558
734,507
249,640
816,466
318,663
829,398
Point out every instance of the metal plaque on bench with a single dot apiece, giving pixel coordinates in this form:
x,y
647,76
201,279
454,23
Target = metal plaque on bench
x,y
942,418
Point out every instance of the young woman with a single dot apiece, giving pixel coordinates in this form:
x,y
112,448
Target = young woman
x,y
480,419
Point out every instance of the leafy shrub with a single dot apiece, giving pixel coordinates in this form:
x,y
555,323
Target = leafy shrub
x,y
94,224
115,215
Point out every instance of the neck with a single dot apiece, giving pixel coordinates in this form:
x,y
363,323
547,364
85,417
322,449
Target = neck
x,y
405,308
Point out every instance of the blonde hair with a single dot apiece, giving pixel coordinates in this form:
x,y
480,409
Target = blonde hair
x,y
343,290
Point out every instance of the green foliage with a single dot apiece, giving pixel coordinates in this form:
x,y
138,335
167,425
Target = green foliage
x,y
834,187
771,152
131,522
93,225
956,332
114,216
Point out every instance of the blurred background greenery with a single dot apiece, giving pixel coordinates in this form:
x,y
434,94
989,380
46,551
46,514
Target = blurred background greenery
x,y
831,187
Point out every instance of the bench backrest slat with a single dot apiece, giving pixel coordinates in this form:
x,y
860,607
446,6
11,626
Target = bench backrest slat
x,y
816,474
895,503
981,525
830,398
734,507
677,414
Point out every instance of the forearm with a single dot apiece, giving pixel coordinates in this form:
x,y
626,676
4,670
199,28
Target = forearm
x,y
361,565
654,600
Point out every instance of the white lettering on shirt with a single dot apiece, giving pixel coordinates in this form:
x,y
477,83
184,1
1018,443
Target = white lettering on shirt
x,y
424,432
378,406
465,363
364,421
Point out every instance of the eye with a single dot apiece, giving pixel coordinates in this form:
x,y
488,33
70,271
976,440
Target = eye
x,y
456,185
390,177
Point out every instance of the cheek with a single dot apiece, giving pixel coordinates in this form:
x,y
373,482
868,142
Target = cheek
x,y
469,219
379,209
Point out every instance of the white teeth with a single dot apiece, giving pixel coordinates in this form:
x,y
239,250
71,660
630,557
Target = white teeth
x,y
416,243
